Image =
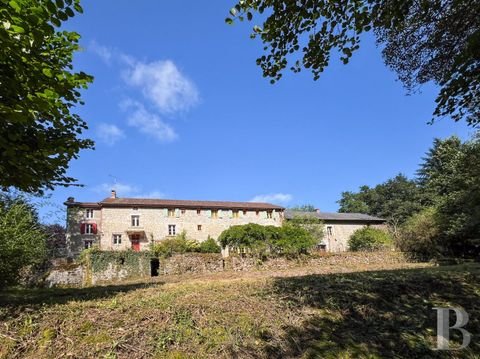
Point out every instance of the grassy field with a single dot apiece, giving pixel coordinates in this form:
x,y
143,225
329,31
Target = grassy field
x,y
372,313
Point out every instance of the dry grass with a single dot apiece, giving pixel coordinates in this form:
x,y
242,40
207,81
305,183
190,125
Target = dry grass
x,y
302,312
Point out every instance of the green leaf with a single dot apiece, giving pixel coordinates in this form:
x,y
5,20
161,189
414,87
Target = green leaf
x,y
18,29
47,72
15,6
233,11
229,21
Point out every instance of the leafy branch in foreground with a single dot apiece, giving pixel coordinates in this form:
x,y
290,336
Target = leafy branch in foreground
x,y
422,41
39,90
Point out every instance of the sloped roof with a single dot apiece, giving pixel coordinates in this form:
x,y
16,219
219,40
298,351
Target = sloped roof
x,y
333,216
174,203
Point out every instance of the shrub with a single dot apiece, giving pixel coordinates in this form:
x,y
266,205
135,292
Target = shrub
x,y
179,244
295,240
369,239
22,241
419,235
291,239
209,246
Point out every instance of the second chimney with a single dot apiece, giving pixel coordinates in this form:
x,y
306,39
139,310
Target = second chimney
x,y
114,194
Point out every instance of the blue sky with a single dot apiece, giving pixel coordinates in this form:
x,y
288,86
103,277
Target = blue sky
x,y
179,109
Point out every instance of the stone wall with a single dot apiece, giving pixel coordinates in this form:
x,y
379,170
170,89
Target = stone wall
x,y
65,276
210,263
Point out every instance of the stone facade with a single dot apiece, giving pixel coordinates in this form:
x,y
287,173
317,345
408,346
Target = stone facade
x,y
128,223
137,226
338,233
338,227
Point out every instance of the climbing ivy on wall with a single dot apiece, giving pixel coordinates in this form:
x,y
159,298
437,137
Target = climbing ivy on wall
x,y
135,263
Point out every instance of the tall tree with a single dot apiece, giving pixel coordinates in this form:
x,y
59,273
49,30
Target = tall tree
x,y
439,169
40,132
22,240
423,41
450,176
396,199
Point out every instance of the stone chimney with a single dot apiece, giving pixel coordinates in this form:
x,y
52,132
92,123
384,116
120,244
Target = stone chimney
x,y
114,194
317,210
70,199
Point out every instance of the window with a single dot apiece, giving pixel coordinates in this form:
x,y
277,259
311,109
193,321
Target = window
x,y
214,213
171,212
269,214
199,211
244,212
235,214
88,244
135,208
171,230
183,211
89,228
199,227
257,213
89,213
117,239
329,230
135,221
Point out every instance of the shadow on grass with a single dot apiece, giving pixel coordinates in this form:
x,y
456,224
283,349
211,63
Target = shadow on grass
x,y
380,314
17,299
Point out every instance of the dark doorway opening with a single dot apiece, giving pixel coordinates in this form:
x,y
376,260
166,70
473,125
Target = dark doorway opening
x,y
154,267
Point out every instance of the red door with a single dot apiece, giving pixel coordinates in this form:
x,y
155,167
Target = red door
x,y
136,245
135,242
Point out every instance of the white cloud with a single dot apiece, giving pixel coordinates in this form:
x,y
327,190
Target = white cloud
x,y
121,188
152,194
127,190
162,83
109,134
103,52
148,122
273,197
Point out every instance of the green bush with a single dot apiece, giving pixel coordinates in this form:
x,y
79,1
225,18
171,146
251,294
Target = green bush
x,y
290,239
209,246
174,245
295,240
181,244
369,239
22,241
419,236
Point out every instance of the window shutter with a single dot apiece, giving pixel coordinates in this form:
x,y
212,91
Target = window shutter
x,y
209,213
220,213
165,212
82,228
94,228
230,214
264,214
177,212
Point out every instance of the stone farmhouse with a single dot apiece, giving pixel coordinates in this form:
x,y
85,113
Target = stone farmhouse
x,y
123,223
134,223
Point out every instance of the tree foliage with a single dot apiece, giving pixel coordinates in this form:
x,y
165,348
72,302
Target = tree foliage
x,y
39,91
369,239
396,199
304,208
290,239
420,234
22,240
422,41
444,198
